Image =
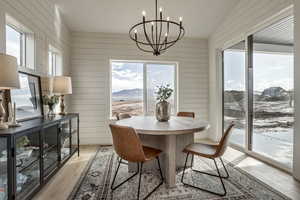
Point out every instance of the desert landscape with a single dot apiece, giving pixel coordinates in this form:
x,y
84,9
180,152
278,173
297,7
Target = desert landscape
x,y
273,121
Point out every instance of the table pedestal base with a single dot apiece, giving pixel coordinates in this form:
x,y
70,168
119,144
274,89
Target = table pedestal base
x,y
172,157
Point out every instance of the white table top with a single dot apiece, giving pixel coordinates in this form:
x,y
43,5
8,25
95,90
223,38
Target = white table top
x,y
175,126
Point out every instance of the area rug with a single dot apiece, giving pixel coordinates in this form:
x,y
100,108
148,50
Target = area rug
x,y
95,181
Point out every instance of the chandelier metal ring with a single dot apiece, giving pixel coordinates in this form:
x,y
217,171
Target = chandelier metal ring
x,y
131,31
156,35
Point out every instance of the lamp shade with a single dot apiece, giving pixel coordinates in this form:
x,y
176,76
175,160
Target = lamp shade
x,y
47,85
62,85
9,76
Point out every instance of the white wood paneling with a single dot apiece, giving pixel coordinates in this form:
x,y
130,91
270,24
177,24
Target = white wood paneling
x,y
246,17
90,60
43,18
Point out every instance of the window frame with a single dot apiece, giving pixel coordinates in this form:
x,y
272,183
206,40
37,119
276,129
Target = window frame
x,y
25,36
145,63
52,69
56,61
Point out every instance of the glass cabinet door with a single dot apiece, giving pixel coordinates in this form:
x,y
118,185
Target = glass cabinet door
x,y
3,169
50,152
65,139
74,131
27,164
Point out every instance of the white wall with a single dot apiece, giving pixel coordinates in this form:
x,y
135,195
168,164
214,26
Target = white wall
x,y
247,16
91,53
44,20
297,90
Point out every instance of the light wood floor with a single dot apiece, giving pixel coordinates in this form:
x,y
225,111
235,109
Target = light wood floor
x,y
63,182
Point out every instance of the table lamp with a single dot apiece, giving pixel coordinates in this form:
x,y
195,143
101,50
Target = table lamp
x,y
9,79
62,85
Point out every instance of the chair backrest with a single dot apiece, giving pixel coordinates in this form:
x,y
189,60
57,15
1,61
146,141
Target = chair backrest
x,y
121,116
127,143
186,114
222,146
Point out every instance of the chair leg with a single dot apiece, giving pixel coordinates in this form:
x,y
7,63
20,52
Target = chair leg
x,y
139,187
112,185
187,156
161,178
227,174
202,172
192,161
140,171
205,190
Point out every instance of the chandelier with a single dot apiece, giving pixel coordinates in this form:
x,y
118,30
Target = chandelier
x,y
154,36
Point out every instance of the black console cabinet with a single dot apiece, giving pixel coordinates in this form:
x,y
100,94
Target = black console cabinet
x,y
31,154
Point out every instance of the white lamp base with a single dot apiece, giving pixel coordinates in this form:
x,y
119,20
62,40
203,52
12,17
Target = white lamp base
x,y
14,124
3,126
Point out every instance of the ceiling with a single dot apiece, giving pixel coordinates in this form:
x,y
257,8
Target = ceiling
x,y
200,17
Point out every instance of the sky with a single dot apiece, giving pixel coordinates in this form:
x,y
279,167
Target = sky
x,y
130,75
269,70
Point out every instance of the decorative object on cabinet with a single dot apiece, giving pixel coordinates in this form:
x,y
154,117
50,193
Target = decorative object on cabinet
x,y
62,85
12,120
28,97
51,102
8,80
163,107
30,155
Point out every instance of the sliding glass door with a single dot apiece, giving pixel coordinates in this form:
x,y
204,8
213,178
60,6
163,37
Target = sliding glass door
x,y
273,102
262,104
234,90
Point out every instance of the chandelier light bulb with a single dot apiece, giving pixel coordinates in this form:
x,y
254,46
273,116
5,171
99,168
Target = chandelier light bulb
x,y
160,9
135,31
168,18
180,19
166,35
144,13
152,23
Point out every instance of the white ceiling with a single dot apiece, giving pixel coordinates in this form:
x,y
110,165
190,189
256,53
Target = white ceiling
x,y
200,17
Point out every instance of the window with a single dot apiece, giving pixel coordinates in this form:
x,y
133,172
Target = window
x,y
14,43
273,103
234,90
55,62
258,95
134,85
20,43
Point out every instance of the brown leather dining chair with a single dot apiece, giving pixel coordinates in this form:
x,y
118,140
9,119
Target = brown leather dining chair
x,y
186,114
211,152
121,116
128,146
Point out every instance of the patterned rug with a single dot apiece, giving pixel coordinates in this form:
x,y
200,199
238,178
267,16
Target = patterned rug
x,y
97,177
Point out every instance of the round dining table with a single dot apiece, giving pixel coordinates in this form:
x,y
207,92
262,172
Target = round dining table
x,y
171,137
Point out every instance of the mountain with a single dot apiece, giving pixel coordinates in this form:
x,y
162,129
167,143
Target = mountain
x,y
275,94
128,93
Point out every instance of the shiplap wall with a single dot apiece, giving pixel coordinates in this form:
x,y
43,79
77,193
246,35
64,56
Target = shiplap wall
x,y
244,18
43,18
90,60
